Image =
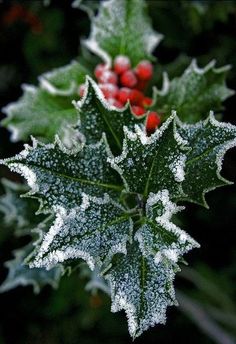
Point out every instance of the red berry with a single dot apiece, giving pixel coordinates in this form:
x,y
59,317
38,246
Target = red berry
x,y
115,102
141,85
144,70
147,101
128,79
100,68
121,64
81,90
124,94
136,97
153,121
138,110
109,90
109,77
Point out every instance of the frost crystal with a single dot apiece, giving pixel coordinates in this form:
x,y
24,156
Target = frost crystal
x,y
209,140
142,289
59,177
94,232
96,116
194,93
160,237
116,30
162,165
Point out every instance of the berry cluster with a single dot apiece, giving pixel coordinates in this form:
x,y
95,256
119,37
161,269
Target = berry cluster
x,y
122,83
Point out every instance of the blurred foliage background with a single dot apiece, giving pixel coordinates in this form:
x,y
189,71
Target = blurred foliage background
x,y
36,36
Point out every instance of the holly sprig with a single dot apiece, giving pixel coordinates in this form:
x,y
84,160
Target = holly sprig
x,y
112,188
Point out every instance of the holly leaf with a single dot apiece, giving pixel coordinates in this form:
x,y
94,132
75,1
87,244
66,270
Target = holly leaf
x,y
122,27
171,157
18,212
20,274
195,93
142,289
210,140
96,116
79,186
64,81
161,158
86,232
158,236
59,176
49,105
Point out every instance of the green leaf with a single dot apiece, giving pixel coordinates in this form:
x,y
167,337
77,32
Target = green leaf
x,y
59,177
18,212
79,185
122,27
151,164
86,232
96,116
21,275
210,140
64,81
157,235
142,289
194,93
45,110
186,161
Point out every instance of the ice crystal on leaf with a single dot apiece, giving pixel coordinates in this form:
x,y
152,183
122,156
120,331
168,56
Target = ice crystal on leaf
x,y
59,177
97,116
209,141
142,289
94,232
158,236
194,93
110,189
21,274
155,156
138,247
122,27
48,105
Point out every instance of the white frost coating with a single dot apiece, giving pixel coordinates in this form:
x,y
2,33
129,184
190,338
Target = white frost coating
x,y
171,254
94,47
177,167
113,15
15,132
164,90
85,202
134,147
142,290
193,67
153,242
78,105
220,137
46,79
86,232
47,86
27,173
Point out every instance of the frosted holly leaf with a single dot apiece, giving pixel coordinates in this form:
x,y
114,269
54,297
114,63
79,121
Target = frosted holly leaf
x,y
18,212
97,116
195,93
143,289
43,111
122,27
210,140
150,164
59,176
64,81
94,232
20,274
158,236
